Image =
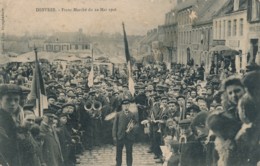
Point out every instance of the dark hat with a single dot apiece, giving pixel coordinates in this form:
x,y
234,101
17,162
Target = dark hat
x,y
49,113
126,101
224,124
67,104
52,96
193,107
200,98
200,119
92,91
164,98
62,114
10,89
252,82
180,96
55,106
116,92
173,101
28,106
157,98
184,122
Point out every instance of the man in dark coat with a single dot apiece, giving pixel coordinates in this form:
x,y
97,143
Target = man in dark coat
x,y
10,118
191,149
51,149
124,130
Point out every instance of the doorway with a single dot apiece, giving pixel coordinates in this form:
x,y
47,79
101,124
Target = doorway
x,y
253,50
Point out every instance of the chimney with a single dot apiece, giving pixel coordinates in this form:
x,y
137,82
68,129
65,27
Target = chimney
x,y
236,5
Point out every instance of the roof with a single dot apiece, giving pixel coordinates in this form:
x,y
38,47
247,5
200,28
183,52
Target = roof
x,y
228,8
36,43
153,36
68,37
208,10
186,4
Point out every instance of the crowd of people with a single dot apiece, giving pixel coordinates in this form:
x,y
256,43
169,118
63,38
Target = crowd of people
x,y
188,118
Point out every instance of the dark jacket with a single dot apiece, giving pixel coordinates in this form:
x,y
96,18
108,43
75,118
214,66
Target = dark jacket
x,y
174,160
8,144
192,153
120,126
29,147
51,150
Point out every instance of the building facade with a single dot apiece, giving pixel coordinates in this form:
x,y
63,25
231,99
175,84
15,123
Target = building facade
x,y
67,41
185,20
253,17
231,27
170,31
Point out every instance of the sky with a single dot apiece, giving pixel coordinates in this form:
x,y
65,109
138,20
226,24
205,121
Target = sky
x,y
139,16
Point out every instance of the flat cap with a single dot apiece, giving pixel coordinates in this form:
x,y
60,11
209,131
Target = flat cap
x,y
10,89
126,101
67,104
184,122
49,113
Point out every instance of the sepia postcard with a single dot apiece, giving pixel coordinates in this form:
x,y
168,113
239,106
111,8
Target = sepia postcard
x,y
147,76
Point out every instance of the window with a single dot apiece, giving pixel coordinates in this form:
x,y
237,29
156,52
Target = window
x,y
190,37
241,26
235,28
219,34
224,28
56,48
229,28
216,31
49,47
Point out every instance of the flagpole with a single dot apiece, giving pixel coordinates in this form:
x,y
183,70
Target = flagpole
x,y
38,104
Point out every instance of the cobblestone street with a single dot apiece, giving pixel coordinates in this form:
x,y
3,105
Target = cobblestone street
x,y
105,156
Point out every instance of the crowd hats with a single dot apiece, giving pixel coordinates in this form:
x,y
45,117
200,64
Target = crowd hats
x,y
71,94
252,82
184,122
180,96
49,113
157,98
28,106
67,104
125,101
52,96
200,119
226,126
10,89
193,108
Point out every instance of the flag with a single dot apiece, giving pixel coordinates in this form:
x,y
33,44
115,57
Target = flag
x,y
129,65
91,74
38,93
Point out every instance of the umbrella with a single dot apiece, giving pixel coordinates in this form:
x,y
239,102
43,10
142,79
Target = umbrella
x,y
225,50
